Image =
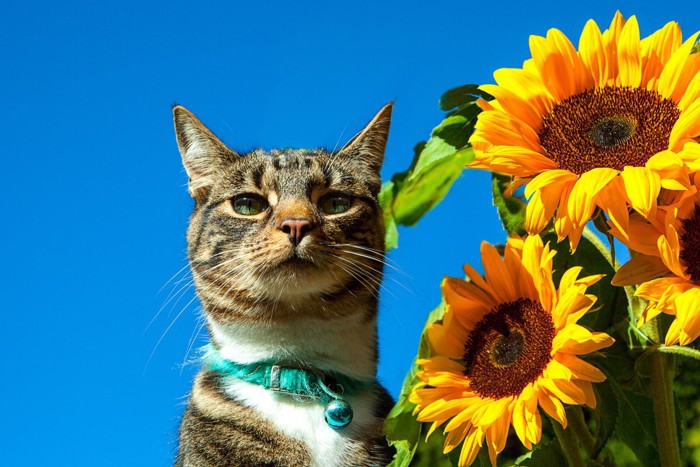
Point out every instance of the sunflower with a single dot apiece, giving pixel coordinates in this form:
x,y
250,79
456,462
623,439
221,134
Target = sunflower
x,y
598,127
508,343
668,266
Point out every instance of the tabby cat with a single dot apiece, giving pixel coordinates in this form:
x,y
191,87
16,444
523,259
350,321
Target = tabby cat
x,y
286,249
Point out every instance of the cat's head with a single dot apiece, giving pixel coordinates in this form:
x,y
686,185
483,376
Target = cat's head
x,y
285,231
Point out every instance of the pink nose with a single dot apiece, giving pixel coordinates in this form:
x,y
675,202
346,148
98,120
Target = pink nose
x,y
295,229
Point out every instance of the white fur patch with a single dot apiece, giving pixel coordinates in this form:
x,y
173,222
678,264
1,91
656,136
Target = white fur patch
x,y
304,421
339,345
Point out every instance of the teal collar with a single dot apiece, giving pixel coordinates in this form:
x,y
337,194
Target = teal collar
x,y
330,389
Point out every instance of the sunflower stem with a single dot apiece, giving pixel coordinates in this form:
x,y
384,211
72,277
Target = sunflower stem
x,y
578,424
661,371
569,444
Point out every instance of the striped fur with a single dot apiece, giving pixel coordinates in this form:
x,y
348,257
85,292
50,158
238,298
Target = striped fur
x,y
310,301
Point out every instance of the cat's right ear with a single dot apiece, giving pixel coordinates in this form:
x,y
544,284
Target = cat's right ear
x,y
203,154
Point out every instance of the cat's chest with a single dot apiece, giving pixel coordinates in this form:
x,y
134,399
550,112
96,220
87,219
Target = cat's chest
x,y
304,421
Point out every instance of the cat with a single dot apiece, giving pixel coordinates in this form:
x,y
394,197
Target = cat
x,y
286,250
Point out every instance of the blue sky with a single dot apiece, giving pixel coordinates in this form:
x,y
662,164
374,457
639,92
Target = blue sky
x,y
94,197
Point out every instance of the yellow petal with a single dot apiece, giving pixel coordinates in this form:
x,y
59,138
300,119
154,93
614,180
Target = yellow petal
x,y
527,85
567,391
669,251
456,436
628,54
552,406
497,275
656,50
671,74
555,370
673,333
514,105
640,268
611,200
577,340
592,52
571,307
691,94
688,315
540,208
504,129
497,433
610,39
526,417
579,368
686,128
554,177
582,197
642,186
471,447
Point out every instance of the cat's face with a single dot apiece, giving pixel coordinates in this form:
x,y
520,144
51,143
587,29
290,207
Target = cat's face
x,y
285,227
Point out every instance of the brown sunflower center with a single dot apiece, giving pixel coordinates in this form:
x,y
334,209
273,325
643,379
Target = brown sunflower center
x,y
608,127
509,348
690,245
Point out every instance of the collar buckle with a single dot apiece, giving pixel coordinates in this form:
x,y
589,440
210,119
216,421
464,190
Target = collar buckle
x,y
275,376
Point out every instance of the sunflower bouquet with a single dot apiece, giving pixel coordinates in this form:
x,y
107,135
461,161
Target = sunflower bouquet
x,y
557,354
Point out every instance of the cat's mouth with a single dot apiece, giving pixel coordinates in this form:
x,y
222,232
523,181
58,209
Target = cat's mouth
x,y
297,259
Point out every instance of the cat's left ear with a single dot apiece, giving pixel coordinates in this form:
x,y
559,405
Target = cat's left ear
x,y
369,144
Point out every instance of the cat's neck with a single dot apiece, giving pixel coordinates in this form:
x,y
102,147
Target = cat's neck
x,y
344,344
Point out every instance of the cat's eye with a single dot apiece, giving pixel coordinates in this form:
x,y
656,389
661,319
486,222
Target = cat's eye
x,y
335,203
249,204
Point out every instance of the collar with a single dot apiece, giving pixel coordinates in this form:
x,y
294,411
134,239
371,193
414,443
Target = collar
x,y
329,388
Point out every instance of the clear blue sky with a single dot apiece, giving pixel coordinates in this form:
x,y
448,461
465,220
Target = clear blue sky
x,y
94,198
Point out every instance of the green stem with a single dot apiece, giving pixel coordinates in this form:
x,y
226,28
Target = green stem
x,y
569,444
661,371
578,425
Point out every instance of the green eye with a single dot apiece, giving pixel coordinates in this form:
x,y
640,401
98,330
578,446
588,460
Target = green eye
x,y
334,204
249,204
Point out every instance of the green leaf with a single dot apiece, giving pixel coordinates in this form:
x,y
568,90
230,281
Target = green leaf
x,y
605,416
546,454
511,210
402,429
636,425
386,200
429,453
436,164
419,194
611,306
461,96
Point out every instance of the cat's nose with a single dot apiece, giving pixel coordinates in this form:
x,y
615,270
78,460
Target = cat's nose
x,y
296,229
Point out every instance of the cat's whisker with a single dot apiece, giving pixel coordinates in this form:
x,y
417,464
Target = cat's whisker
x,y
181,294
397,282
379,253
371,282
171,296
340,137
201,322
381,286
378,259
369,287
172,323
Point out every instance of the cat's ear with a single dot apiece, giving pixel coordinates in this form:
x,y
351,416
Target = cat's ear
x,y
203,154
369,144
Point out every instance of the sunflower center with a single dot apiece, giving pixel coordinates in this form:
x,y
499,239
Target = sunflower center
x,y
690,245
611,131
509,348
608,127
